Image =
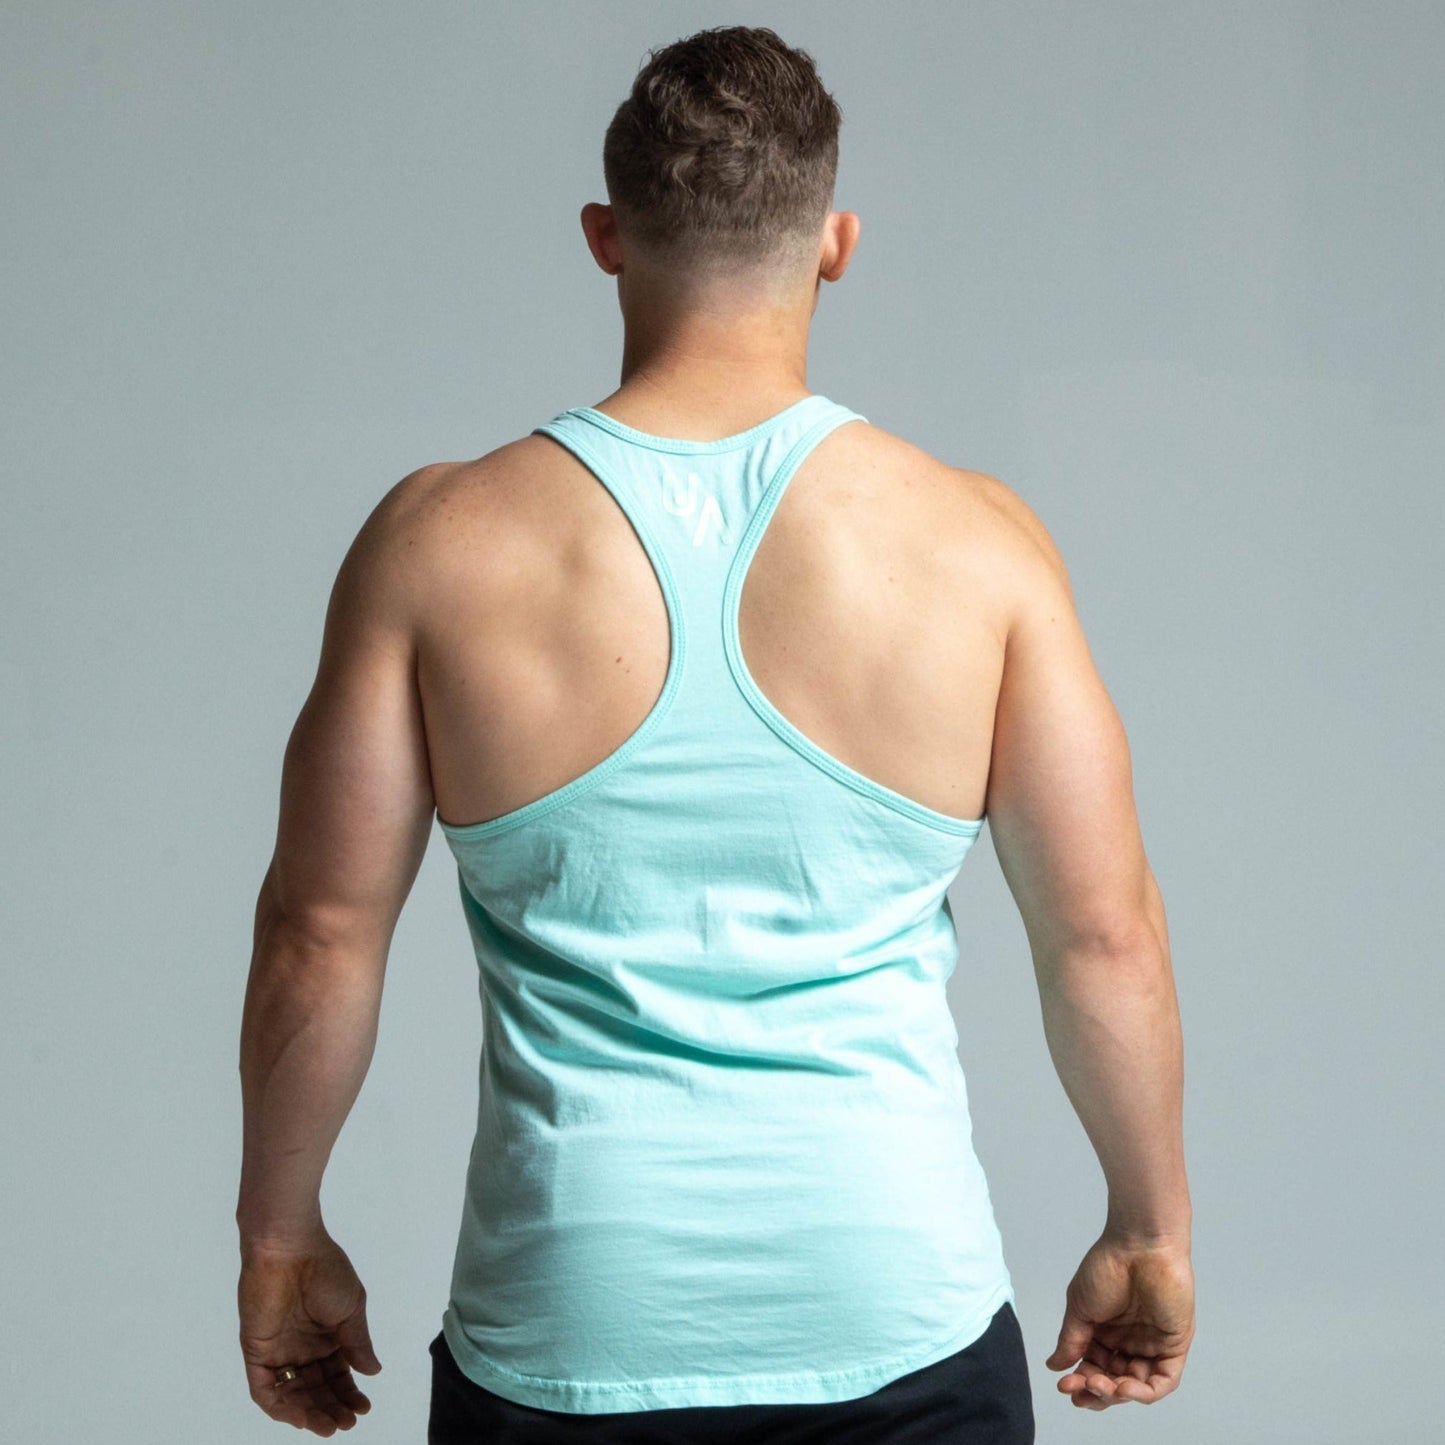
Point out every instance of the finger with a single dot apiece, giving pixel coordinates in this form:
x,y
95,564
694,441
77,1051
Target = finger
x,y
1096,1390
1139,1368
309,1402
1159,1384
321,1423
1133,1380
1125,1370
354,1339
285,1403
321,1398
1074,1338
269,1392
1085,1399
304,1416
343,1386
1092,1354
1078,1386
1136,1390
1147,1378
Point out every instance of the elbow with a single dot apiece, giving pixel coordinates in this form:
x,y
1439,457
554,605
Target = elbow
x,y
312,934
1115,946
1120,932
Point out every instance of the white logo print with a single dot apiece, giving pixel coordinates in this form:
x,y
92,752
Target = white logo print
x,y
690,498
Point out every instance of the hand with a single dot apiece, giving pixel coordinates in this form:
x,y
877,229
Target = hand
x,y
1129,1318
302,1304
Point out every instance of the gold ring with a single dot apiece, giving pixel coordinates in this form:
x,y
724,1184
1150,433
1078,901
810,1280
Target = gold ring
x,y
285,1375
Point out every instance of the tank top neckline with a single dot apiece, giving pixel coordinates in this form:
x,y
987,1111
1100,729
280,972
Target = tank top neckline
x,y
681,444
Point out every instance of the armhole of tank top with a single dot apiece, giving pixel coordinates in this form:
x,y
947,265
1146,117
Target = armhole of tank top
x,y
795,738
575,787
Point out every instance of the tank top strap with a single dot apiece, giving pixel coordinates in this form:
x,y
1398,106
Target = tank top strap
x,y
692,502
699,509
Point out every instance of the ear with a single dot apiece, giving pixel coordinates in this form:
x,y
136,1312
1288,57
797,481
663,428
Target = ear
x,y
839,242
599,225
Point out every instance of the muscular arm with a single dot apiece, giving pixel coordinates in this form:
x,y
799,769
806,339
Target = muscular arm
x,y
355,812
1063,822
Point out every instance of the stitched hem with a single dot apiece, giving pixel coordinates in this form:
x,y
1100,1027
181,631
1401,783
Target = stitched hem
x,y
591,1397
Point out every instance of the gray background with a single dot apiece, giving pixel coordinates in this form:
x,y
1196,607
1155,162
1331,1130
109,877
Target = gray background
x,y
1172,271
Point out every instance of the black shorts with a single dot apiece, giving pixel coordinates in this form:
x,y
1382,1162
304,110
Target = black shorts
x,y
978,1396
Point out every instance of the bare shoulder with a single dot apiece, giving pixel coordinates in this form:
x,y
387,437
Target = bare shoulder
x,y
426,503
443,503
1000,534
434,523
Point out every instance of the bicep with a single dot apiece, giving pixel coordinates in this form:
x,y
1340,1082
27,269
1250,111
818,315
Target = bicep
x,y
356,798
1061,804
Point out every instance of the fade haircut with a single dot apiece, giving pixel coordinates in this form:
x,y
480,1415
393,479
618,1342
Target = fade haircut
x,y
723,158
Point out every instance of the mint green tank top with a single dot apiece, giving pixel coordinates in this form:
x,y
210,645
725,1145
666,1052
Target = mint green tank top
x,y
723,1150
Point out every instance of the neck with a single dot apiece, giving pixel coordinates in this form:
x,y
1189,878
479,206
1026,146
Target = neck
x,y
714,356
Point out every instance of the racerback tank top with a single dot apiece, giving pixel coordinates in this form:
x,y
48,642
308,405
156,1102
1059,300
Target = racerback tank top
x,y
723,1151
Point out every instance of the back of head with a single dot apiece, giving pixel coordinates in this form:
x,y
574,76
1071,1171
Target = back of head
x,y
720,164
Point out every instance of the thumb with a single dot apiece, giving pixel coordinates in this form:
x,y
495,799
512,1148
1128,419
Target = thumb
x,y
1074,1339
354,1339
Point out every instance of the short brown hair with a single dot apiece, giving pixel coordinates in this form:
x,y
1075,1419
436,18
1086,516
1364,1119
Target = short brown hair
x,y
725,153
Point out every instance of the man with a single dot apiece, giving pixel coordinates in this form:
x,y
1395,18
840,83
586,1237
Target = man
x,y
710,688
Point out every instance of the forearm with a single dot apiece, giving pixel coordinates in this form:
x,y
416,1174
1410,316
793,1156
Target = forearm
x,y
1111,1019
308,1032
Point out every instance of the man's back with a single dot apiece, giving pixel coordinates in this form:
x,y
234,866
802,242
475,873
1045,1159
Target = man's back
x,y
723,1149
874,617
